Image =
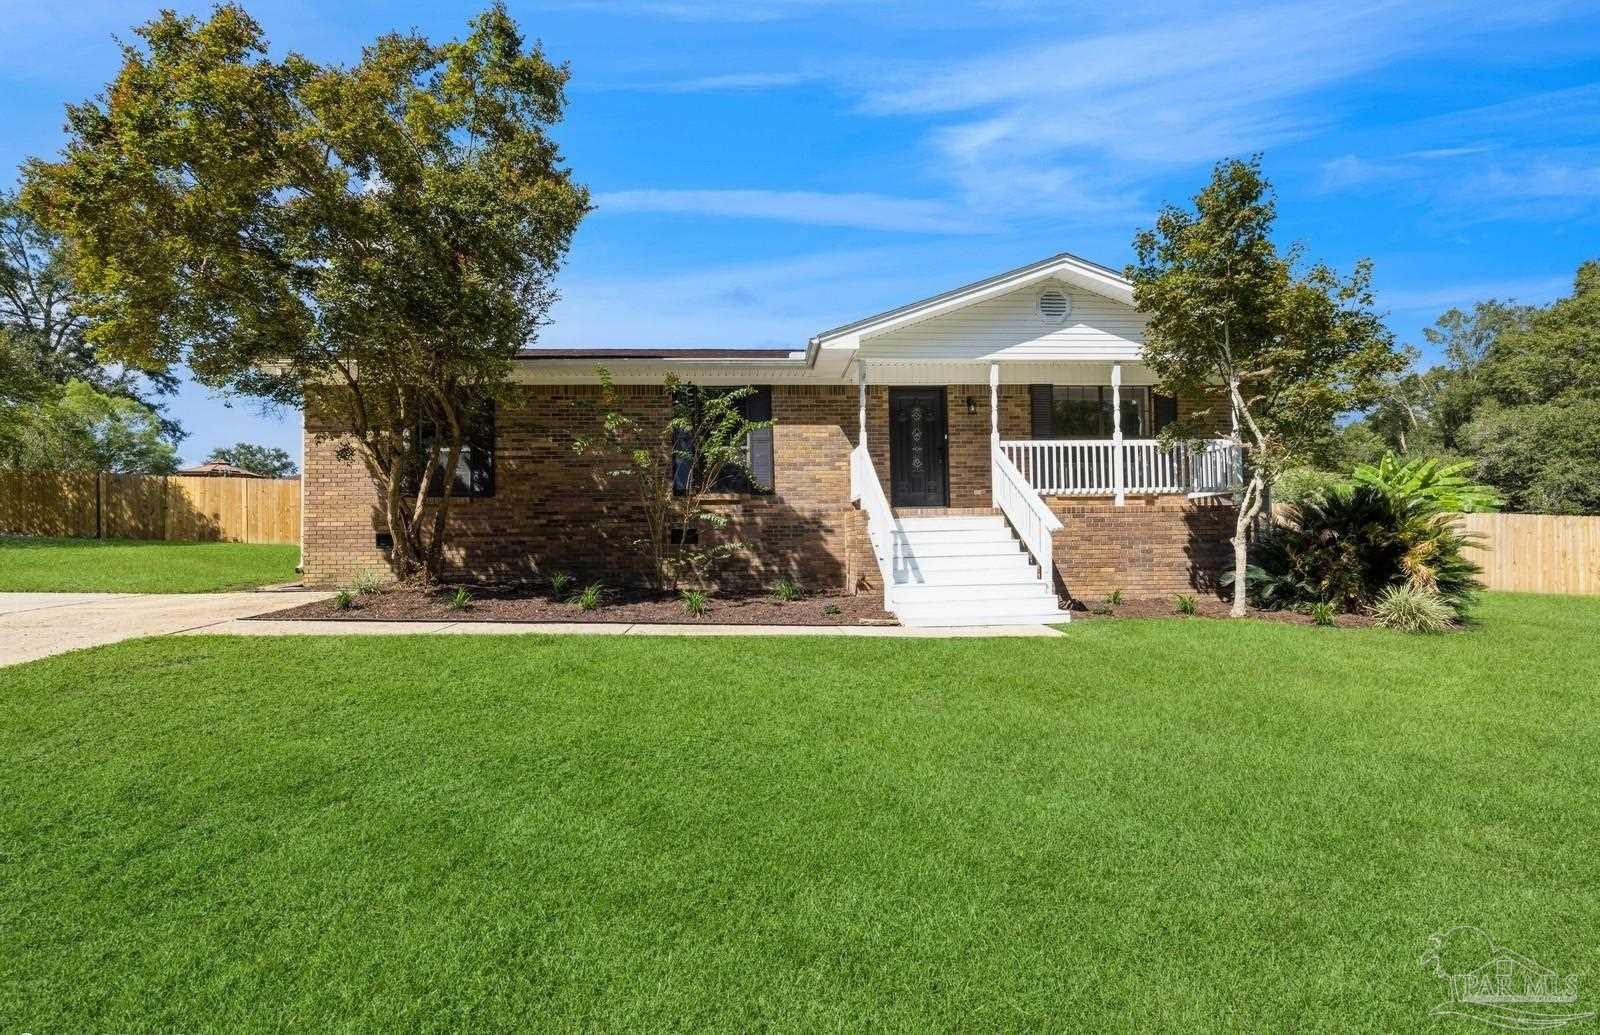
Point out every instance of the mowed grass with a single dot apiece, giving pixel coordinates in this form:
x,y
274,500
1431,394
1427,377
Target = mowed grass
x,y
139,566
1159,825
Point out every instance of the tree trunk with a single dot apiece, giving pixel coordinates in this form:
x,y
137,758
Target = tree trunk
x,y
1249,507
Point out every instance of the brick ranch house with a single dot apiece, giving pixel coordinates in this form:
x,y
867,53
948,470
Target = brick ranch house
x,y
979,456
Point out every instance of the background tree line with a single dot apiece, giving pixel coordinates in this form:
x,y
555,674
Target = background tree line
x,y
1517,395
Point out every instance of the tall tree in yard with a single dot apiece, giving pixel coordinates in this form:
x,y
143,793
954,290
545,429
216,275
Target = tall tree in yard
x,y
1287,349
380,237
267,461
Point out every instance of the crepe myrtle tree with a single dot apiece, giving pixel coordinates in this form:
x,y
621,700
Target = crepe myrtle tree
x,y
378,239
673,468
1291,348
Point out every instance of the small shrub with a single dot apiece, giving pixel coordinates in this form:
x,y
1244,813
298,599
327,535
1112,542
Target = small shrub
x,y
460,600
1321,613
832,609
1186,604
694,603
589,599
787,589
1114,598
344,600
367,582
560,582
1413,610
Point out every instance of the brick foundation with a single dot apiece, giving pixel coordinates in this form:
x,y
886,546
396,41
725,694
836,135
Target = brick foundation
x,y
1151,546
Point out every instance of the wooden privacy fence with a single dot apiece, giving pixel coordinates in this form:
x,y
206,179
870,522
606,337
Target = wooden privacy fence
x,y
144,506
1537,553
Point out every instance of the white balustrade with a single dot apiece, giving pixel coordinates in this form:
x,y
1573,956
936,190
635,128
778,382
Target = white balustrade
x,y
868,491
1088,467
1023,508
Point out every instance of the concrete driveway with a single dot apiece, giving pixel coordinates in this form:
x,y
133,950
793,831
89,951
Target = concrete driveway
x,y
36,625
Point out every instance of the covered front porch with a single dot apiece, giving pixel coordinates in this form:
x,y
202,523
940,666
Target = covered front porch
x,y
1031,443
935,433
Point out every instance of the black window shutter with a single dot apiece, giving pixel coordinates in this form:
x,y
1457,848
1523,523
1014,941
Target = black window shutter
x,y
1043,403
1166,407
758,406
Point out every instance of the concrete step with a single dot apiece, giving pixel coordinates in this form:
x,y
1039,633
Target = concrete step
x,y
978,614
977,535
952,524
969,578
945,592
995,548
920,569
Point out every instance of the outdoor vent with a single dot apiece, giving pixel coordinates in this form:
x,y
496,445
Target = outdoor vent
x,y
1054,306
383,541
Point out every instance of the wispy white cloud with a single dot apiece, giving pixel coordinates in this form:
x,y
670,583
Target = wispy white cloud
x,y
734,81
764,303
1086,120
703,10
1435,300
729,82
810,208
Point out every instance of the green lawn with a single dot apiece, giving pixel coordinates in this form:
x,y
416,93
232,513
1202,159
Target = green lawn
x,y
1160,825
139,566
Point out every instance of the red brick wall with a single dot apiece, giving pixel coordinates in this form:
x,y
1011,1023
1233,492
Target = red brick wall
x,y
549,512
1151,546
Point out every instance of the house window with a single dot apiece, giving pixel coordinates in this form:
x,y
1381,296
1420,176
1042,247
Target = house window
x,y
474,473
757,406
1084,411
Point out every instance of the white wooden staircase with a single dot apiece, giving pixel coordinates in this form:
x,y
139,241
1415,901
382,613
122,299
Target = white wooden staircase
x,y
986,569
966,571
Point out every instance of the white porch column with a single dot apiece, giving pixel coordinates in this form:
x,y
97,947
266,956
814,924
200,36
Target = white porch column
x,y
861,392
1117,471
994,403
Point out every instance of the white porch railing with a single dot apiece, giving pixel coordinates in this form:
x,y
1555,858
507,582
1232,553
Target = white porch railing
x,y
1089,467
1022,507
868,491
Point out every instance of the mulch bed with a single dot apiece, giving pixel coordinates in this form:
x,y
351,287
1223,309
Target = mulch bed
x,y
1205,607
521,604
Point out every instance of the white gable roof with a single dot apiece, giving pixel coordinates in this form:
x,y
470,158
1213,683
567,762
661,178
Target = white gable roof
x,y
1065,267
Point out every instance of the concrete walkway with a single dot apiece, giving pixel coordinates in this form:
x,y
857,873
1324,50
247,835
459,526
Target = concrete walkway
x,y
37,625
374,628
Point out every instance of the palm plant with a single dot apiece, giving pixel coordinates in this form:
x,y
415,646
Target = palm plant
x,y
1347,545
1442,485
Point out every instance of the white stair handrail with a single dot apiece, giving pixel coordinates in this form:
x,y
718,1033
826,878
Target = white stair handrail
x,y
866,490
1022,506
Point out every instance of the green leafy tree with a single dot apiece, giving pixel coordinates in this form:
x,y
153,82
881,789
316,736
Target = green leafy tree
x,y
40,313
376,240
1554,354
1451,391
1290,349
671,470
1545,458
269,461
84,429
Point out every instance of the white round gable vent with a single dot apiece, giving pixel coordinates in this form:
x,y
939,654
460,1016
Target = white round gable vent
x,y
1054,306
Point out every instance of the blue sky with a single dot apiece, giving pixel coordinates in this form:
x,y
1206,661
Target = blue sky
x,y
765,169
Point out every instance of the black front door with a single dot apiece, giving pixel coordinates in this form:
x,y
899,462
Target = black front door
x,y
918,452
